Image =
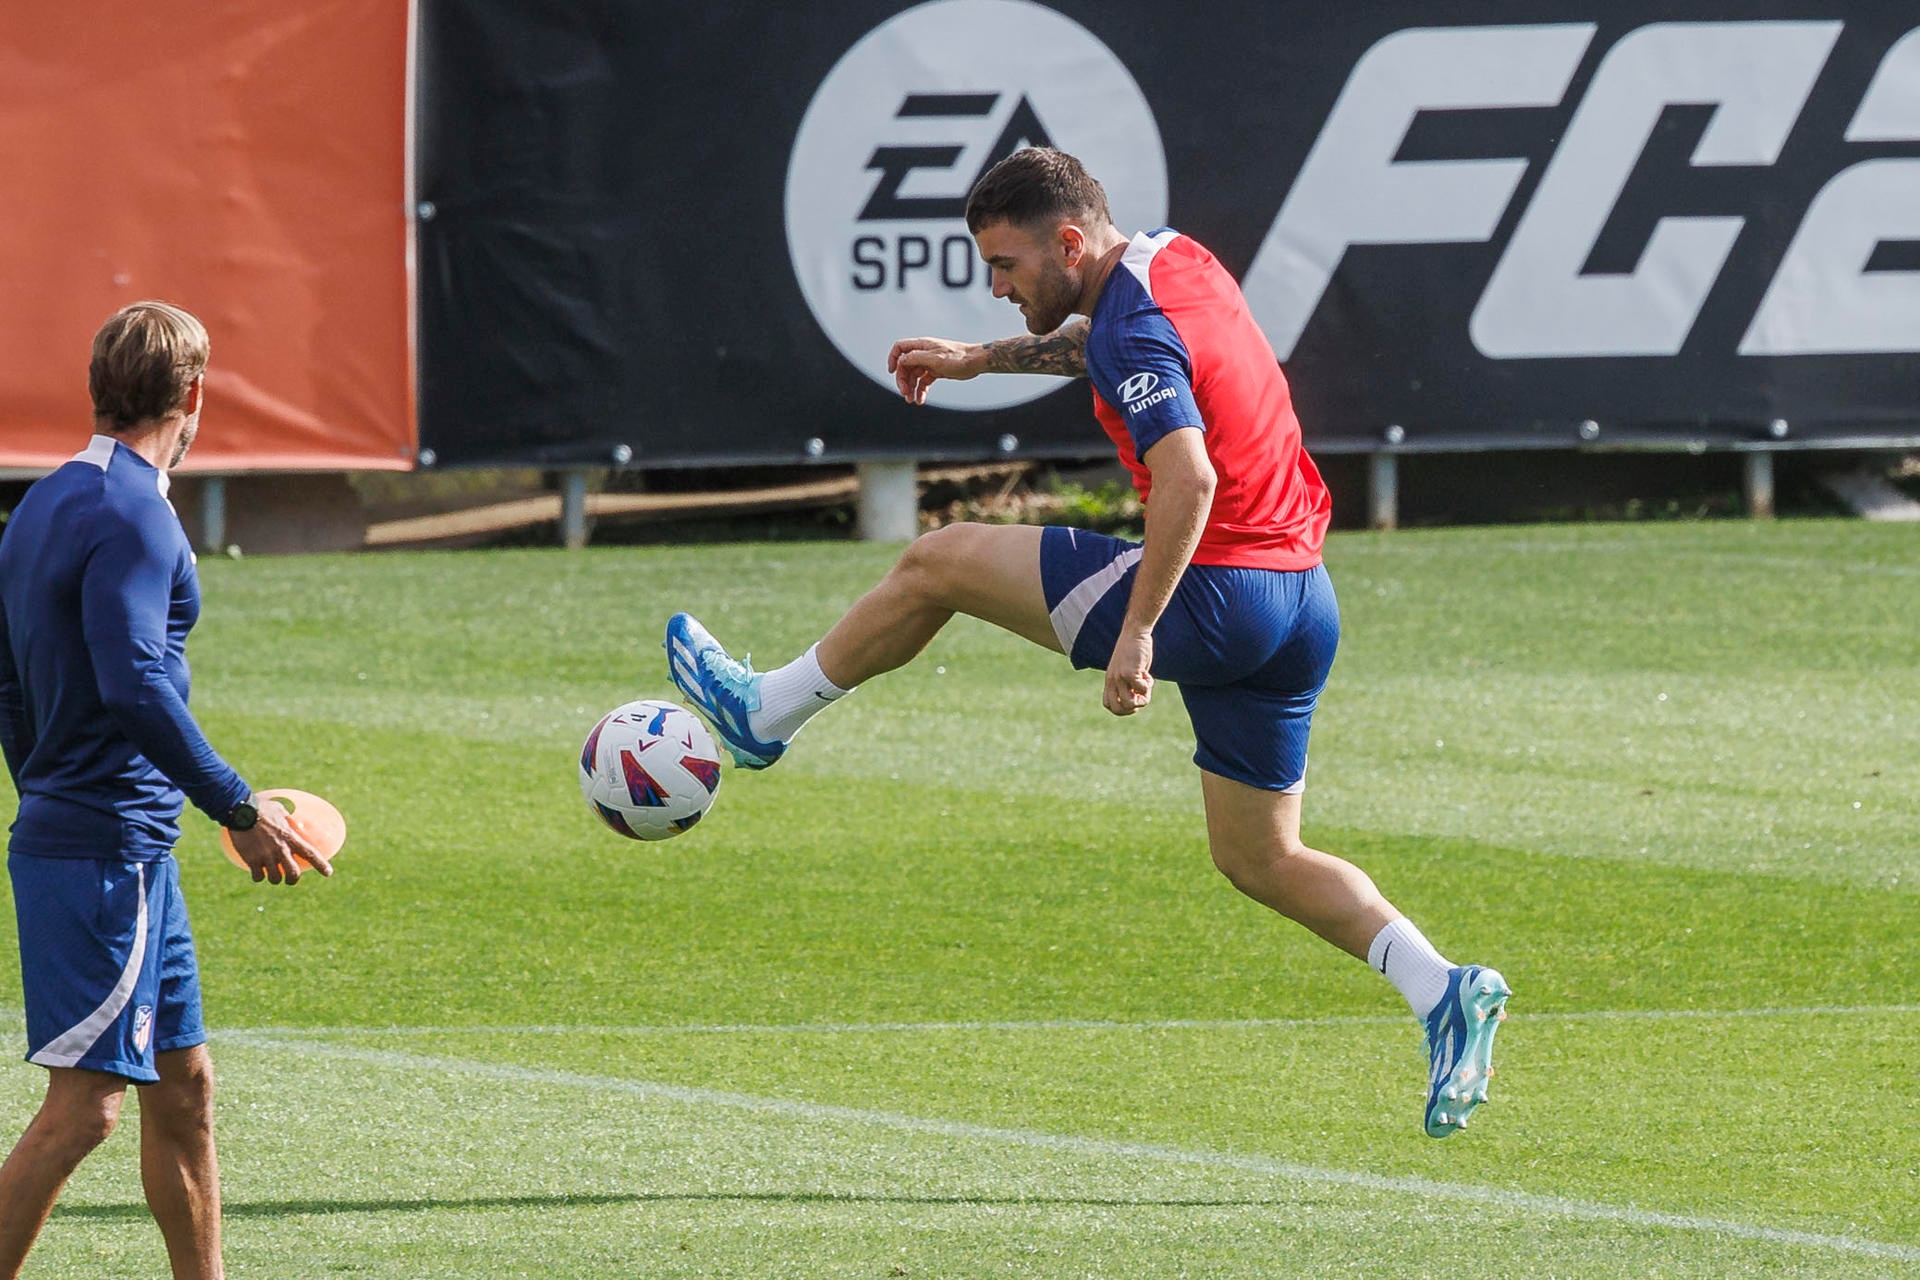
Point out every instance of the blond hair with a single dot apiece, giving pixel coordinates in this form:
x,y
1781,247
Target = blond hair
x,y
144,362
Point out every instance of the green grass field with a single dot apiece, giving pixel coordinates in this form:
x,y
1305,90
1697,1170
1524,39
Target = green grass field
x,y
955,992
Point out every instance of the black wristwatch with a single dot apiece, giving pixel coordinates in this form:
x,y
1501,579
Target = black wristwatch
x,y
242,816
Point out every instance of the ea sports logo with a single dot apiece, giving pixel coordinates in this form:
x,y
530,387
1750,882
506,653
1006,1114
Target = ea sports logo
x,y
895,138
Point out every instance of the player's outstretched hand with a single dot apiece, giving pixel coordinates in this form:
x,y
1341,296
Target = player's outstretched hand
x,y
917,363
1129,684
274,851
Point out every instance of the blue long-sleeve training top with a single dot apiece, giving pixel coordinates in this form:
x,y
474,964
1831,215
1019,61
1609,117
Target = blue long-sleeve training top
x,y
97,595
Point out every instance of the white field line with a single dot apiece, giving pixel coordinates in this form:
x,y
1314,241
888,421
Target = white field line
x,y
1092,1148
1061,1024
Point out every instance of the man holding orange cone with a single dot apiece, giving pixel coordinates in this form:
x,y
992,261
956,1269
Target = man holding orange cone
x,y
314,820
97,593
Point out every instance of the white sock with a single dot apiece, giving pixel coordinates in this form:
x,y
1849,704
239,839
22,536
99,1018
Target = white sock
x,y
1403,953
790,696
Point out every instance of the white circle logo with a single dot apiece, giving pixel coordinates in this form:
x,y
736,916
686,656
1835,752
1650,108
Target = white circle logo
x,y
895,138
1138,385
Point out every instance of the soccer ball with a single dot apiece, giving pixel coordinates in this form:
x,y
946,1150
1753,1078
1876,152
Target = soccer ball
x,y
649,770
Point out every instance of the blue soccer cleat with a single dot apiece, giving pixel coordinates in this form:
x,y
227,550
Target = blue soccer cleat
x,y
725,690
1460,1045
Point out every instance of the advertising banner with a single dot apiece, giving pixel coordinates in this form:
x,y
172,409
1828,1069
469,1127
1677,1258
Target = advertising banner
x,y
690,235
244,159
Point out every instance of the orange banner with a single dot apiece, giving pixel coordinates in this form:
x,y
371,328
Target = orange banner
x,y
244,159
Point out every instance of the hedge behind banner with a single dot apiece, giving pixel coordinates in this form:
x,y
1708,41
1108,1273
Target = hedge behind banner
x,y
677,235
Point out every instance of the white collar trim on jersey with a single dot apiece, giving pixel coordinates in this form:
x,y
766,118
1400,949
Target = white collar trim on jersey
x,y
99,452
1140,253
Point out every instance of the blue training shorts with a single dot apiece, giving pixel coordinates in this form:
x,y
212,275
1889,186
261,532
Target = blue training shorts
x,y
1249,648
106,962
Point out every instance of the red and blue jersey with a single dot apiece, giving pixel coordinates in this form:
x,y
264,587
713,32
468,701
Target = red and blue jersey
x,y
1173,345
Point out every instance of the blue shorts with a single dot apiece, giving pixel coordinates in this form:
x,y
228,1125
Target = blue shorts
x,y
106,961
1249,648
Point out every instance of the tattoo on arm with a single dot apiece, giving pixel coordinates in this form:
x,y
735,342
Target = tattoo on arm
x,y
1063,352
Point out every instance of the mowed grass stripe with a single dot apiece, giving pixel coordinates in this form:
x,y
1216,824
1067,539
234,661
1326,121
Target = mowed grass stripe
x,y
1044,1025
13,1017
1691,1117
1094,1148
464,1178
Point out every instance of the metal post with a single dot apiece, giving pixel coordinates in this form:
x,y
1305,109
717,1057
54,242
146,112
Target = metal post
x,y
1759,484
573,509
889,501
213,514
1383,490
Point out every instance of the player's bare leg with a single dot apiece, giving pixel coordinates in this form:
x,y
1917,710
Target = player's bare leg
x,y
990,572
178,1164
1255,838
77,1115
1254,835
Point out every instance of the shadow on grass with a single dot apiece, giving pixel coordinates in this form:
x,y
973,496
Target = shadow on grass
x,y
296,1208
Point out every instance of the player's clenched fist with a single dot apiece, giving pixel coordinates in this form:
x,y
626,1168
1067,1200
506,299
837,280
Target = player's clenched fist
x,y
916,363
1129,682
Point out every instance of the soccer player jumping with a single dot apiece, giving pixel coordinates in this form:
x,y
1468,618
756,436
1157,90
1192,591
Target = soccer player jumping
x,y
1226,597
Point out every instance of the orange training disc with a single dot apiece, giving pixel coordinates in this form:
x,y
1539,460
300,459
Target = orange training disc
x,y
316,821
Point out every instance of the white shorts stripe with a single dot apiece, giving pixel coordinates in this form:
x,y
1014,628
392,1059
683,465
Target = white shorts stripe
x,y
73,1044
1071,613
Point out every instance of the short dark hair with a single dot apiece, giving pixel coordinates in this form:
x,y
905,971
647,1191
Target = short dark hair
x,y
145,359
1036,185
